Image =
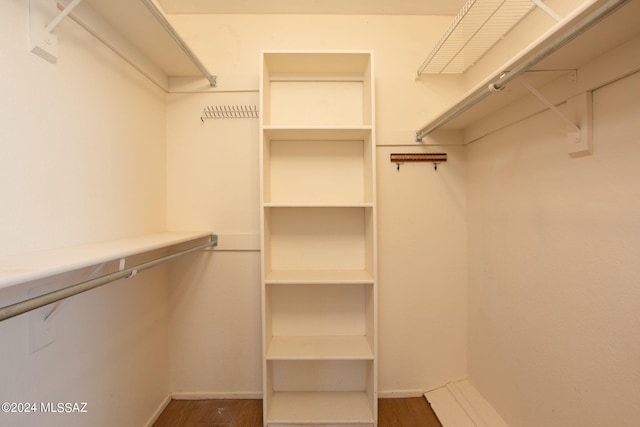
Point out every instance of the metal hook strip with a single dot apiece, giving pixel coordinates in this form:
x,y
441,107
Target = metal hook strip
x,y
229,112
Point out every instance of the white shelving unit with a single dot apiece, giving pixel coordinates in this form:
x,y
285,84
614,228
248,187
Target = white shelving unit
x,y
318,238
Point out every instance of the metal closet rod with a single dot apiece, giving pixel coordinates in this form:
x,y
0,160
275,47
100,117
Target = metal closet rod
x,y
499,84
16,309
213,80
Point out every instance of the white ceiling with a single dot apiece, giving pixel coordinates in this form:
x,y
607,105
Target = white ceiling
x,y
310,7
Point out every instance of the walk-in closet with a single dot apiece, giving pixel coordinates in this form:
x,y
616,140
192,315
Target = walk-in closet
x,y
297,213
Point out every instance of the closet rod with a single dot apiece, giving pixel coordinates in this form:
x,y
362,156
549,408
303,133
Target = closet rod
x,y
213,80
506,77
21,307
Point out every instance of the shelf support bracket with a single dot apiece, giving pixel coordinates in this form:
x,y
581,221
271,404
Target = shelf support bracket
x,y
578,120
43,20
547,10
63,14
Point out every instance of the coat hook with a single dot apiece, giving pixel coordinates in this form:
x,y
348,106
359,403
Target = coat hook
x,y
435,158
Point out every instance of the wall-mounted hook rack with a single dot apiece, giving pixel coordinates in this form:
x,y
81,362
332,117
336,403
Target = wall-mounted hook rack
x,y
435,158
229,112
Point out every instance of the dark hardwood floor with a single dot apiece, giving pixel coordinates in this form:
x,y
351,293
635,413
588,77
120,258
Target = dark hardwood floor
x,y
406,412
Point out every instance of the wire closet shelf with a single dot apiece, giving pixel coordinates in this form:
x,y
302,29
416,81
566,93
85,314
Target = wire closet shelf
x,y
478,26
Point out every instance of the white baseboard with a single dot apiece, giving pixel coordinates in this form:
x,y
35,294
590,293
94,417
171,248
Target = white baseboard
x,y
459,404
397,394
156,414
215,395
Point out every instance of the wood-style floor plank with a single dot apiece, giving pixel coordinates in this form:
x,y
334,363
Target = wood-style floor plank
x,y
406,412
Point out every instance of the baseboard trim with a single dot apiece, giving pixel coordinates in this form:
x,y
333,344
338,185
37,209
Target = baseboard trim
x,y
398,394
156,414
459,404
215,395
388,394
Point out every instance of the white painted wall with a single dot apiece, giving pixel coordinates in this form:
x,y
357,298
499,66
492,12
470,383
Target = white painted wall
x,y
82,146
553,277
215,304
213,184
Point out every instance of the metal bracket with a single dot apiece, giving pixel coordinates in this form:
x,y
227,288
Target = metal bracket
x,y
43,19
578,120
547,10
580,108
42,42
551,106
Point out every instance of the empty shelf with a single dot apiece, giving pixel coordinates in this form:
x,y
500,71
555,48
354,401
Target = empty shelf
x,y
320,408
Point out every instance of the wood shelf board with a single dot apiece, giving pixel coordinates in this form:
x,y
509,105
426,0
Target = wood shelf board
x,y
319,347
319,277
319,408
314,133
311,205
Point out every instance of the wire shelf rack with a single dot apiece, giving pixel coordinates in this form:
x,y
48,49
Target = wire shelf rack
x,y
478,26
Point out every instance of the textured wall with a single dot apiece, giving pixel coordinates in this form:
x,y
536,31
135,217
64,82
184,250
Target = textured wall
x,y
553,277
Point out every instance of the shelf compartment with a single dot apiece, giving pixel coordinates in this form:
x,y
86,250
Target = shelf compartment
x,y
329,88
320,407
320,392
316,102
318,239
319,310
300,167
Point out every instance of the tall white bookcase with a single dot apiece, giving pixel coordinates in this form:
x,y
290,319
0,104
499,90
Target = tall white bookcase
x,y
318,238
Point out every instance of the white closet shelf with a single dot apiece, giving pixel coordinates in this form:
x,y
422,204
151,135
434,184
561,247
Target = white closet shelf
x,y
574,41
318,205
332,347
478,26
22,268
317,133
318,277
335,407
